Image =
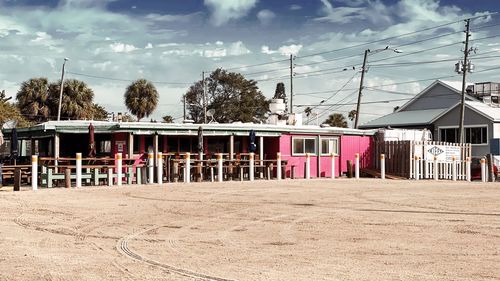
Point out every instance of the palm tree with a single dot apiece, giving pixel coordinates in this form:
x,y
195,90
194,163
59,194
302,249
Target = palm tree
x,y
77,99
336,120
141,98
33,99
352,115
168,119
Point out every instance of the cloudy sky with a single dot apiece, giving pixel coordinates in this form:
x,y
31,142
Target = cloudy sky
x,y
112,42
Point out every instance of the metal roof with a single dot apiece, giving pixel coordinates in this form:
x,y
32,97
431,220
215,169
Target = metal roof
x,y
143,128
406,118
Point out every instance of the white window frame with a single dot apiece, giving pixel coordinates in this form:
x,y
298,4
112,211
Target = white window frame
x,y
335,146
304,146
465,127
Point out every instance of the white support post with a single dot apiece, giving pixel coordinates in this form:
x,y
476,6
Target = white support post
x,y
278,166
454,169
119,169
467,169
356,169
332,167
110,176
417,168
261,156
382,166
151,167
78,170
483,170
308,166
219,167
251,166
159,167
187,168
436,169
34,172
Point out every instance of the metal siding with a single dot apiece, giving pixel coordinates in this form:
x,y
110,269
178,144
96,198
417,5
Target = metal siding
x,y
350,145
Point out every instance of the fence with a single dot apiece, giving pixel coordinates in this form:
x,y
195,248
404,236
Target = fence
x,y
404,158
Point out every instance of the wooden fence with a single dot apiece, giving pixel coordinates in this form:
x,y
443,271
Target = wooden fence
x,y
401,156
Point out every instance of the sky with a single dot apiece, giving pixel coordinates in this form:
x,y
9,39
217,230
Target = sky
x,y
111,43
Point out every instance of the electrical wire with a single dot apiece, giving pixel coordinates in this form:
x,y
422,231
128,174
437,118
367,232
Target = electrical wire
x,y
125,80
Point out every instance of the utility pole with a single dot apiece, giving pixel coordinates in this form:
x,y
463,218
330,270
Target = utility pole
x,y
363,70
204,99
465,68
61,91
184,107
291,83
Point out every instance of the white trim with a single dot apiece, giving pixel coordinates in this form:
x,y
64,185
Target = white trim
x,y
304,145
329,153
465,127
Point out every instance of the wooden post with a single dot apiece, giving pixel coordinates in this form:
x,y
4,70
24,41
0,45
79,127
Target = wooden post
x,y
382,166
34,172
119,168
67,177
110,176
78,170
491,171
467,169
261,156
278,166
251,167
483,170
356,168
151,168
130,145
417,168
454,169
138,175
219,167
175,172
332,167
187,168
308,166
159,167
436,169
17,179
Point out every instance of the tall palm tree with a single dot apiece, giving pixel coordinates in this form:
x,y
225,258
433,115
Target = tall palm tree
x,y
77,99
141,98
33,99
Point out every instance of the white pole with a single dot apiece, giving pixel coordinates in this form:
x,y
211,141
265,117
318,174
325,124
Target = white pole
x,y
356,169
78,170
332,156
219,167
251,171
454,169
382,166
159,163
467,169
119,167
34,172
278,166
417,168
261,155
150,167
308,166
436,168
187,168
110,176
483,170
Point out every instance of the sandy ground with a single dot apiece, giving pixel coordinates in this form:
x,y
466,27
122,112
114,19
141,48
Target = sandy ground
x,y
266,230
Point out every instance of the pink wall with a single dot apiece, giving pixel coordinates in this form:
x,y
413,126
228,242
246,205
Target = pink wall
x,y
348,146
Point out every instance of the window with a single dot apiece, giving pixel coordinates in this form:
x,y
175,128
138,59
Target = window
x,y
303,145
329,146
473,135
105,146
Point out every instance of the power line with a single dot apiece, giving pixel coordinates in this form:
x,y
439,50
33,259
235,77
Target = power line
x,y
335,93
126,80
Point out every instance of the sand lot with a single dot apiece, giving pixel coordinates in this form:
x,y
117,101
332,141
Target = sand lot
x,y
265,230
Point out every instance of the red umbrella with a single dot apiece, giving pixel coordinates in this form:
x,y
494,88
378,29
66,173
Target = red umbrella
x,y
92,151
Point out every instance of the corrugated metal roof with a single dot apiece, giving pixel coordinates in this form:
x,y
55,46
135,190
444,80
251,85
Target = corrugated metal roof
x,y
406,118
81,126
490,112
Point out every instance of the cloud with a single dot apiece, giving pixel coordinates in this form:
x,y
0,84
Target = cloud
x,y
122,48
183,18
283,50
373,11
225,10
265,16
295,7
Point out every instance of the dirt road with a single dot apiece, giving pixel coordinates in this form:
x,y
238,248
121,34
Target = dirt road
x,y
266,230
